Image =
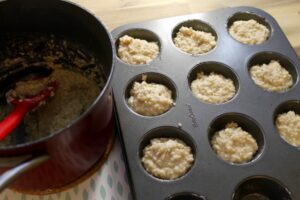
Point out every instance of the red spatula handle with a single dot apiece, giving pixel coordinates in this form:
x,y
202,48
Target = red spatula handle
x,y
13,119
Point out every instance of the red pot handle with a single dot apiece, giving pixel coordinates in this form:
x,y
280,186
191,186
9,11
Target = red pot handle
x,y
13,119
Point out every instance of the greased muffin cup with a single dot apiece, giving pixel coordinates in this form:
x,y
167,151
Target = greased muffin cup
x,y
273,172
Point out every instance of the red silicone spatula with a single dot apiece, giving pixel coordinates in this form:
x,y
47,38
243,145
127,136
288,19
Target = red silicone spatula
x,y
23,106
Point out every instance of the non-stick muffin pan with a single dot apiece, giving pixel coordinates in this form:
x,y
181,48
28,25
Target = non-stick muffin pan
x,y
274,171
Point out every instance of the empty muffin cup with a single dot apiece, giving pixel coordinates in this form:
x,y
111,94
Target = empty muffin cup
x,y
186,196
261,188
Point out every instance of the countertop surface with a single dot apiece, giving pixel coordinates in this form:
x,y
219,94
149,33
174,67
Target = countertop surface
x,y
115,13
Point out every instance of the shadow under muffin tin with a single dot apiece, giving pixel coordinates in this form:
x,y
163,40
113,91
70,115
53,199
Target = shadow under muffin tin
x,y
273,173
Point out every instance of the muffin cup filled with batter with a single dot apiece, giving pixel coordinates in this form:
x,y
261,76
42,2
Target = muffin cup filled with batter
x,y
167,153
248,28
213,82
194,37
137,47
272,72
236,138
150,94
287,122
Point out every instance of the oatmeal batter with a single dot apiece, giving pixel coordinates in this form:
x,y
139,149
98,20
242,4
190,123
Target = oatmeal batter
x,y
213,88
167,158
233,144
150,99
271,77
249,32
288,126
194,42
137,51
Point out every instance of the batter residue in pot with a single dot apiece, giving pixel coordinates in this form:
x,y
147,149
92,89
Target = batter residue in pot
x,y
73,95
78,76
30,88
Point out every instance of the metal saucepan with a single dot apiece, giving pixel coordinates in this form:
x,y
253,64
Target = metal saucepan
x,y
58,159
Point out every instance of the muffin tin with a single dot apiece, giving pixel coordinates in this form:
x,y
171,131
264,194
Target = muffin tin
x,y
273,173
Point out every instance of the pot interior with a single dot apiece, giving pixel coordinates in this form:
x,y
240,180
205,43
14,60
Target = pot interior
x,y
28,26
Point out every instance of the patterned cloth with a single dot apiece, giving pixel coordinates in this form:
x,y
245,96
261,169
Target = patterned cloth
x,y
110,182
